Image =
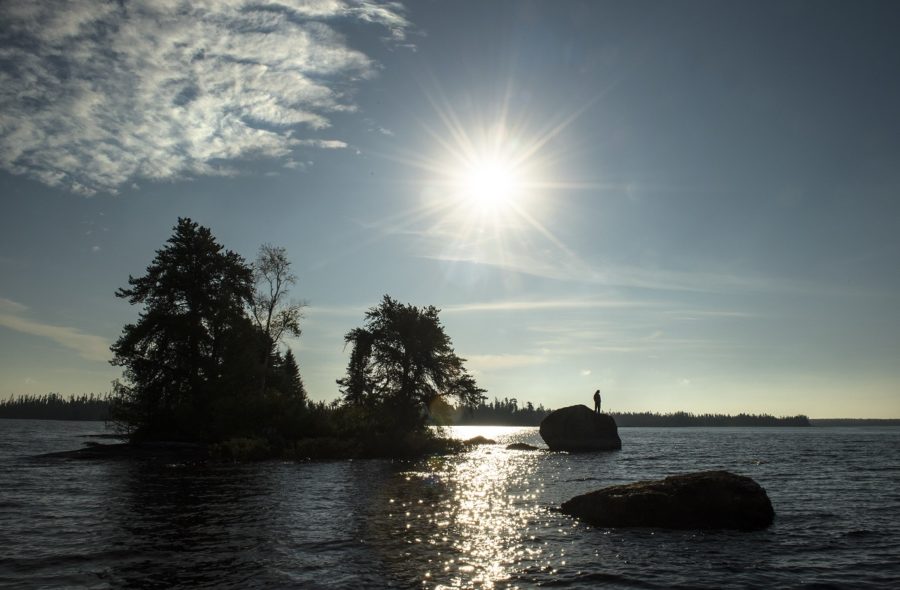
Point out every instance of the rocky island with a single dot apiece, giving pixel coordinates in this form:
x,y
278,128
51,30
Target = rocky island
x,y
578,429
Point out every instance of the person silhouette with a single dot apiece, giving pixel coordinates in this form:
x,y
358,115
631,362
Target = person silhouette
x,y
597,401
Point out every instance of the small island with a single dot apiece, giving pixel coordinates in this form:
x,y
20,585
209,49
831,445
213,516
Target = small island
x,y
205,372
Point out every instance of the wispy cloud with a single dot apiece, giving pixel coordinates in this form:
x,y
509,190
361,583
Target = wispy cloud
x,y
14,316
95,94
516,248
563,266
575,341
336,310
8,306
544,304
698,314
480,363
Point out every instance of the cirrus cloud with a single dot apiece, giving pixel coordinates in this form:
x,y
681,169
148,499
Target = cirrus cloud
x,y
95,94
14,316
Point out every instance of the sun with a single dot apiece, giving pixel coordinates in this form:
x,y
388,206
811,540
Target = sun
x,y
489,184
486,188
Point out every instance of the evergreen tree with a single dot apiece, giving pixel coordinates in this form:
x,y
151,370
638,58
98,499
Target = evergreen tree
x,y
403,361
358,386
178,354
293,383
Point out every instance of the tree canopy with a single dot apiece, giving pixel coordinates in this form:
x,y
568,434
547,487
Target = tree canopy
x,y
205,361
286,375
185,344
402,361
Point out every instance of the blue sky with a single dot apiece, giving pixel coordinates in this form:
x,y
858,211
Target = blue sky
x,y
698,200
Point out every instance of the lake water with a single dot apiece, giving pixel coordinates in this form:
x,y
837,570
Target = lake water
x,y
483,519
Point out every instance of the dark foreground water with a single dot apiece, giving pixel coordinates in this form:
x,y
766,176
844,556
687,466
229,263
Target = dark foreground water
x,y
484,519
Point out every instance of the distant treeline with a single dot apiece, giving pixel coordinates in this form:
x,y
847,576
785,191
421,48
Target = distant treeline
x,y
688,419
855,421
53,406
505,412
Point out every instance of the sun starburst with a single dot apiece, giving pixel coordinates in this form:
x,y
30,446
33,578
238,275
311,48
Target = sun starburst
x,y
486,188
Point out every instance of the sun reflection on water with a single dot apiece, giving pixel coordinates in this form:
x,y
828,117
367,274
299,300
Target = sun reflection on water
x,y
464,521
490,520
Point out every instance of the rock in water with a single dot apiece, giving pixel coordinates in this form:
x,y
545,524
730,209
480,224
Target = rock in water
x,y
577,428
521,447
706,500
479,440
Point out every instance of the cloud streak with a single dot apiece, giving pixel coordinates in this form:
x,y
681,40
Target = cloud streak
x,y
563,267
88,346
96,94
524,251
542,305
483,363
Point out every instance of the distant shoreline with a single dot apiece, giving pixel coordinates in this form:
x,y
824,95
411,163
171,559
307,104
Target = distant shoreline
x,y
813,422
505,412
855,421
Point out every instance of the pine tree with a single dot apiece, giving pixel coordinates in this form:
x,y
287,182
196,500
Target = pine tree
x,y
193,295
358,386
293,383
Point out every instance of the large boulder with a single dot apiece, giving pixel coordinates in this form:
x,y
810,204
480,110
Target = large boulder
x,y
577,429
706,500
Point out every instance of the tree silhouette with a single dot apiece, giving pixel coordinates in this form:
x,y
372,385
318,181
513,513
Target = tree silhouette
x,y
193,295
273,315
503,412
402,360
359,385
53,406
292,382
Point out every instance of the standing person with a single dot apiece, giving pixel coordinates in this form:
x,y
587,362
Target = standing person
x,y
597,401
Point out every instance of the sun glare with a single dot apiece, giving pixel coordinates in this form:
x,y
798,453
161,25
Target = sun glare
x,y
486,191
489,184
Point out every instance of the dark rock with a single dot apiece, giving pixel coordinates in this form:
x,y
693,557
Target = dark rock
x,y
111,435
577,428
480,440
157,450
706,500
521,447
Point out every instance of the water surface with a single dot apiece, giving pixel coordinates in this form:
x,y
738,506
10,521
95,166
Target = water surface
x,y
483,519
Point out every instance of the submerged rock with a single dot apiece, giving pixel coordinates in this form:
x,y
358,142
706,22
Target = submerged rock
x,y
578,429
705,500
521,447
480,440
156,450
